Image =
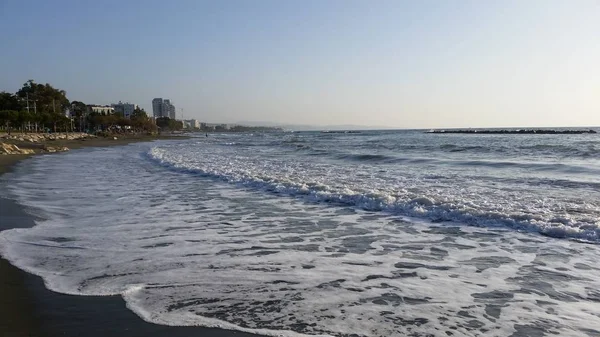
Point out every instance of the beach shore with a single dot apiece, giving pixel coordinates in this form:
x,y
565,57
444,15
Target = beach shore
x,y
27,308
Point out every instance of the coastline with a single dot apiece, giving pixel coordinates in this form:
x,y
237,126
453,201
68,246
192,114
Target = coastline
x,y
28,308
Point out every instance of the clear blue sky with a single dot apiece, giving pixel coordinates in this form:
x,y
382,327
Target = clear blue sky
x,y
372,63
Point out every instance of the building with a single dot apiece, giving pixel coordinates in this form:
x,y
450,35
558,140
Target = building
x,y
192,123
157,107
126,109
101,109
215,126
168,109
163,108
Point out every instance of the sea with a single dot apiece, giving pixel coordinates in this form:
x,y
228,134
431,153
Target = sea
x,y
366,233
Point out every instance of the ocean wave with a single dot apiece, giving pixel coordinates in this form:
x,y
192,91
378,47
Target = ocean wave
x,y
553,225
497,163
186,250
469,148
559,150
366,157
548,150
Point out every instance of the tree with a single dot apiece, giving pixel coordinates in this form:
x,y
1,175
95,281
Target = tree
x,y
47,98
163,122
139,114
141,122
24,118
50,103
9,118
175,124
79,112
167,123
9,101
78,108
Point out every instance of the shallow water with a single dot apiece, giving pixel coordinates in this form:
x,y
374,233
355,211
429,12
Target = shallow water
x,y
250,232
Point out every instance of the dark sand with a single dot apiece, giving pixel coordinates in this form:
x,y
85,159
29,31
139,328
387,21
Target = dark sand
x,y
27,308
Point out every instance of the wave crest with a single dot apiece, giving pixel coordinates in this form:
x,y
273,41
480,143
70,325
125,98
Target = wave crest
x,y
406,204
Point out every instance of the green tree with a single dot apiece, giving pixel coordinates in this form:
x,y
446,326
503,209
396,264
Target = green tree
x,y
9,101
49,102
79,113
78,109
175,125
163,122
9,119
139,114
24,119
166,123
141,122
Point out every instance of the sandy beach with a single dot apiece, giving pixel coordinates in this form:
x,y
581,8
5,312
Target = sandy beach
x,y
27,308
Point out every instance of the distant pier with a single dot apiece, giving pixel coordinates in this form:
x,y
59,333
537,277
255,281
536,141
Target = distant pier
x,y
512,132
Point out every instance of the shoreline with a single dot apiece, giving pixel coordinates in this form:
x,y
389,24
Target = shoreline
x,y
28,308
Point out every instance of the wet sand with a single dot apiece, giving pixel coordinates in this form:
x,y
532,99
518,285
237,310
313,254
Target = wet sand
x,y
27,308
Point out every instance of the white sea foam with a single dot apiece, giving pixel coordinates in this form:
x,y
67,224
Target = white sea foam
x,y
183,249
393,191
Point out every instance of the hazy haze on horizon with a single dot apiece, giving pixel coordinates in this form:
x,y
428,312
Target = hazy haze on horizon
x,y
420,64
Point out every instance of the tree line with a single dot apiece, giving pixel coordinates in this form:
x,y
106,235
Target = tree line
x,y
166,123
42,108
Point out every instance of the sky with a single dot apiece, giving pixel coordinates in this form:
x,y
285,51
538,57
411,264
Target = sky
x,y
389,64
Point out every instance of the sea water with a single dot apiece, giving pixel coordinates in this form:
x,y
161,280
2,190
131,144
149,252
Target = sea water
x,y
381,233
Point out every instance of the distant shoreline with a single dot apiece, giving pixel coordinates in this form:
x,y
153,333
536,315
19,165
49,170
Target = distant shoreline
x,y
515,132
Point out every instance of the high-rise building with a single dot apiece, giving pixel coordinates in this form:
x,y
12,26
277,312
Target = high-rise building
x,y
168,109
157,104
166,105
172,114
163,108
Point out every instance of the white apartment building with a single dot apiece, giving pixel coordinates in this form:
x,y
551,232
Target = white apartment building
x,y
101,109
194,123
